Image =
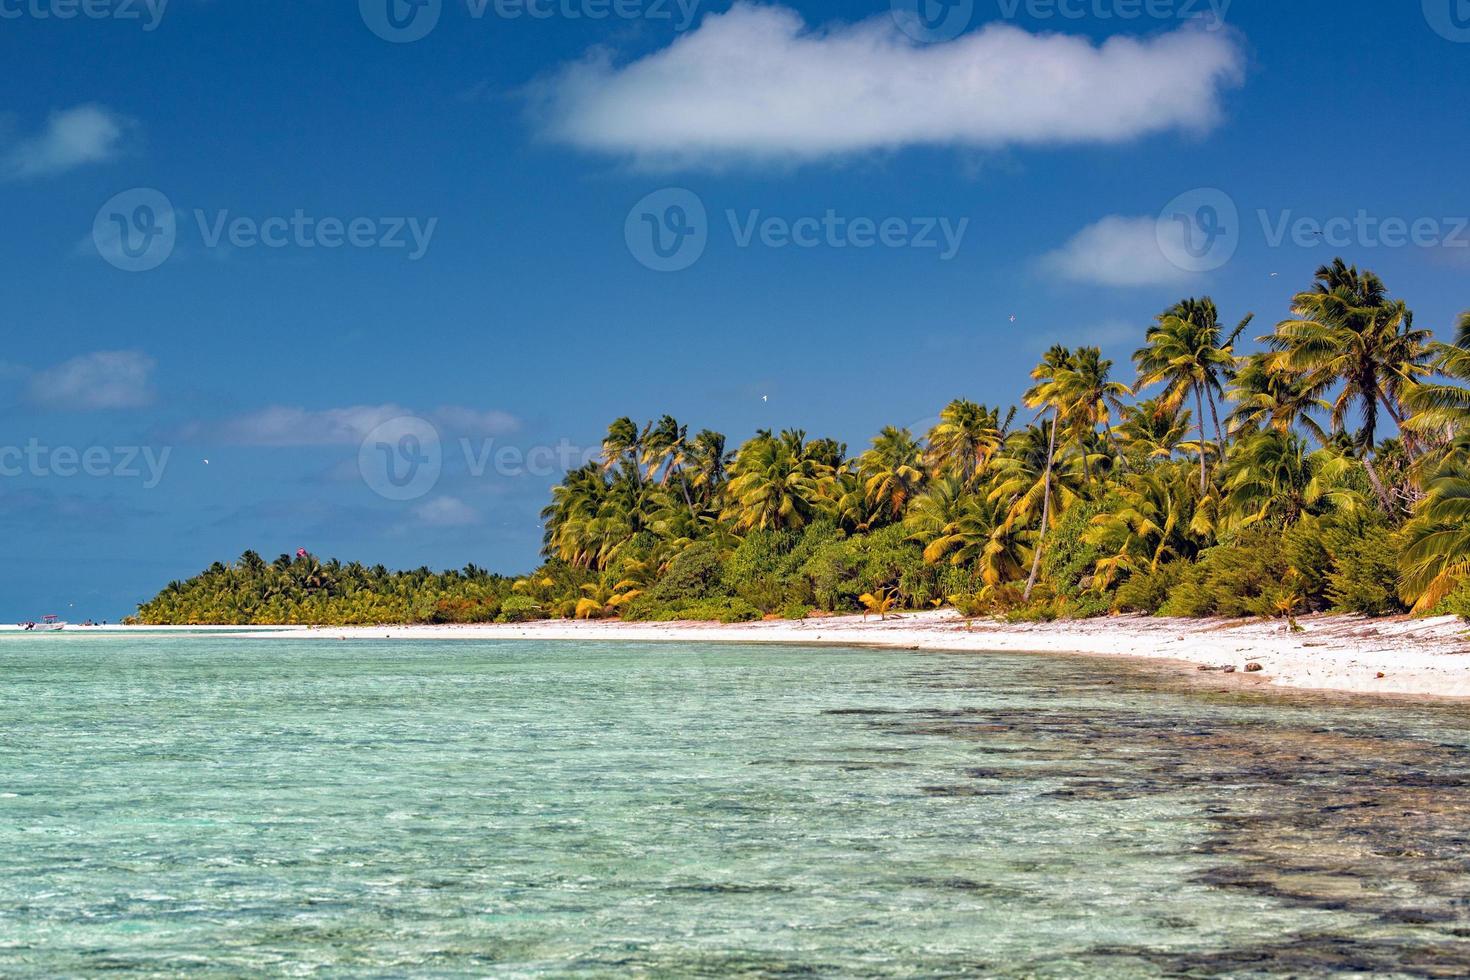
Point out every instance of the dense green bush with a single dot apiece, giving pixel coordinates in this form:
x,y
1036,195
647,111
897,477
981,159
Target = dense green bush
x,y
695,573
520,609
1067,564
726,610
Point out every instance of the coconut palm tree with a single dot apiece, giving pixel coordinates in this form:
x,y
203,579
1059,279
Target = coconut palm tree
x,y
951,523
1272,475
1345,333
624,446
1436,554
892,474
707,464
1273,397
1051,394
1091,400
964,440
775,485
1183,350
1153,430
1157,519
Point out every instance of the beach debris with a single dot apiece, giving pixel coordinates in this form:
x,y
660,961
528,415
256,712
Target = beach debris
x,y
1380,675
1229,668
1252,667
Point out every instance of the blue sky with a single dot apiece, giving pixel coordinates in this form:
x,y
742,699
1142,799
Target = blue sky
x,y
1054,141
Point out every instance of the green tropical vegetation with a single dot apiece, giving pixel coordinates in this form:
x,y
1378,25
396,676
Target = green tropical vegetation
x,y
1209,482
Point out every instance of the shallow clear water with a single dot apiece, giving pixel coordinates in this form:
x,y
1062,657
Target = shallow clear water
x,y
388,808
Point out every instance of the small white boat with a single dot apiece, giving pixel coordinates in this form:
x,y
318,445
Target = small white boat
x,y
48,624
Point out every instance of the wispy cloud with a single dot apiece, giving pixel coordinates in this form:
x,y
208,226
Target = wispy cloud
x,y
1116,251
71,138
91,382
756,84
287,425
446,512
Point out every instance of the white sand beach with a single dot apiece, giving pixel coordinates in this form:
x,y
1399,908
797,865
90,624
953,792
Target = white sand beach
x,y
1397,655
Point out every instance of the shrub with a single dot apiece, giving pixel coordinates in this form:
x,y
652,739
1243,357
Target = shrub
x,y
519,609
1147,591
753,571
1241,578
1364,575
726,610
694,573
1067,562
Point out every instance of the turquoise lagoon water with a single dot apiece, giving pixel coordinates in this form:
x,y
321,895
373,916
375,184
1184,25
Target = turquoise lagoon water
x,y
256,806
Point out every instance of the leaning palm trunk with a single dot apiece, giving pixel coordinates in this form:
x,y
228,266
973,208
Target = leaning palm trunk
x,y
1199,404
1219,432
1378,488
1051,449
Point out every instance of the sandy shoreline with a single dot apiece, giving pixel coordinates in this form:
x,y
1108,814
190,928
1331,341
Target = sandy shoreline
x,y
1426,657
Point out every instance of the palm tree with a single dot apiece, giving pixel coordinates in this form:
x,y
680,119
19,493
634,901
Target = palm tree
x,y
1153,430
624,446
1183,350
1032,486
1157,519
1091,399
1436,554
891,473
964,440
707,463
1271,475
666,447
951,523
1051,397
1273,397
775,484
1346,333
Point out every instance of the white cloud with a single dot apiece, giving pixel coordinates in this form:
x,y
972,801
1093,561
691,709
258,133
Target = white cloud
x,y
471,422
105,379
1116,251
756,84
446,512
288,425
284,425
71,138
